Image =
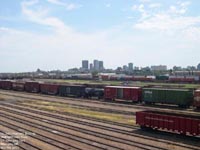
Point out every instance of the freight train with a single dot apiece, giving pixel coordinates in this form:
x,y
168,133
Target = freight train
x,y
149,95
159,78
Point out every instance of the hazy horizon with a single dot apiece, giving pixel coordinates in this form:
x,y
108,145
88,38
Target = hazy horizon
x,y
59,34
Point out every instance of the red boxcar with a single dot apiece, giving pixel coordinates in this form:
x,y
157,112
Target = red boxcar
x,y
122,92
197,99
182,124
132,93
47,88
18,86
110,92
33,87
6,85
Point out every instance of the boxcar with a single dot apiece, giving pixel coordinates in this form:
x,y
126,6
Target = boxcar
x,y
180,97
33,87
72,90
18,86
197,99
177,123
6,85
121,92
47,88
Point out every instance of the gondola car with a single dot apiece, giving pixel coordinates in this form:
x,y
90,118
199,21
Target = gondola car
x,y
173,122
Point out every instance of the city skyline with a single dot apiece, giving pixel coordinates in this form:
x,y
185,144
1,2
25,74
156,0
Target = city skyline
x,y
57,34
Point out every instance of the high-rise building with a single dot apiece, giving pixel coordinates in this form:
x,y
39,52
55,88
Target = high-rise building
x,y
91,66
85,64
101,67
125,67
198,66
96,65
130,66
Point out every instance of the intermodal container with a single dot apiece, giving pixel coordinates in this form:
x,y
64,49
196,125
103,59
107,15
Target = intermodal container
x,y
181,97
33,87
6,85
47,88
18,86
72,90
177,123
197,99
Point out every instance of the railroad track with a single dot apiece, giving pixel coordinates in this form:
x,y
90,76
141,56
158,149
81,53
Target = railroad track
x,y
43,124
110,107
80,135
80,117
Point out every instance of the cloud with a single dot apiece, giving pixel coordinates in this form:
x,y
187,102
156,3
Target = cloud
x,y
57,2
145,1
73,6
40,16
68,6
167,22
155,5
180,8
170,19
140,8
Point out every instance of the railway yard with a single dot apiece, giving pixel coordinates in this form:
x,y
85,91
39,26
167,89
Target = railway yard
x,y
36,121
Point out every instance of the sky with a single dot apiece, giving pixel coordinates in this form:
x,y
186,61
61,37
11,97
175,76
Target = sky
x,y
59,34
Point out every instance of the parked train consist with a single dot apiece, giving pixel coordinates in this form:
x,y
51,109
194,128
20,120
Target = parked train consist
x,y
159,78
181,97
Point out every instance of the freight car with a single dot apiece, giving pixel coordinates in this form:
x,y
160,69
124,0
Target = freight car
x,y
18,86
94,92
180,97
33,87
197,99
122,92
6,84
72,90
176,123
48,88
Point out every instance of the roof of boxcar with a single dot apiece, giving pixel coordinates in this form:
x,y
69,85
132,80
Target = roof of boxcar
x,y
125,87
167,89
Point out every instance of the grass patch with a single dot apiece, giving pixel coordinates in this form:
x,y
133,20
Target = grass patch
x,y
64,108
